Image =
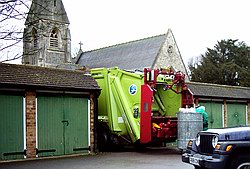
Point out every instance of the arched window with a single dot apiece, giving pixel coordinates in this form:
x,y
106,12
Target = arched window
x,y
54,3
33,60
34,37
54,38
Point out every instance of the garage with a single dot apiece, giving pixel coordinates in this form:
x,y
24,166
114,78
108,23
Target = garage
x,y
236,114
63,125
11,127
215,113
227,106
46,112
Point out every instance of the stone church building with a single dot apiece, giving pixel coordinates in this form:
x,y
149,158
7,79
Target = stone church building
x,y
47,40
47,43
153,52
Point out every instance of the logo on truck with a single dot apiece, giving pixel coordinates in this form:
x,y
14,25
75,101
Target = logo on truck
x,y
132,89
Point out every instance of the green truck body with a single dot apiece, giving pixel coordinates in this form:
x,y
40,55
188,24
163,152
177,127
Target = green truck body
x,y
119,104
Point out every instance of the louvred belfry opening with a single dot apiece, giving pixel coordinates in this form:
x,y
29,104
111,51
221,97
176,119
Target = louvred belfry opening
x,y
54,38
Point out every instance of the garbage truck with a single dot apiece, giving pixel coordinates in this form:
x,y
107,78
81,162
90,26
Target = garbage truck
x,y
139,107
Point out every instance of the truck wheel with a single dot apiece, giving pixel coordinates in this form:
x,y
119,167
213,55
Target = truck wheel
x,y
241,162
139,147
103,138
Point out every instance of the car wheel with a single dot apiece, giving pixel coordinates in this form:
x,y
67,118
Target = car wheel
x,y
241,162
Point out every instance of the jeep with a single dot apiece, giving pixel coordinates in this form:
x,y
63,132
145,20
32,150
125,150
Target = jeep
x,y
227,148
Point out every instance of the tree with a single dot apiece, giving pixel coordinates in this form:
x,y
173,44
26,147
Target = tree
x,y
228,63
13,14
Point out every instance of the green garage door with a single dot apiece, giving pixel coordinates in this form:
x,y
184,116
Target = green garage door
x,y
62,125
236,114
214,111
11,127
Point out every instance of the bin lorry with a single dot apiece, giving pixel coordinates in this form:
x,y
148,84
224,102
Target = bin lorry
x,y
138,107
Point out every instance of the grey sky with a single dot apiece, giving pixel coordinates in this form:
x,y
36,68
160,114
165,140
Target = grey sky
x,y
196,24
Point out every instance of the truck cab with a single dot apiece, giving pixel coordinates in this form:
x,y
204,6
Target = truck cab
x,y
227,148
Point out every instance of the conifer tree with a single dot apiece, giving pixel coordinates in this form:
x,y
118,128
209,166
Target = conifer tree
x,y
227,63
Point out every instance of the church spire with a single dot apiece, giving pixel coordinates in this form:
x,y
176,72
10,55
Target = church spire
x,y
48,10
47,39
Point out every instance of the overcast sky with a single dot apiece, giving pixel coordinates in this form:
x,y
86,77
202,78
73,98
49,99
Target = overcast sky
x,y
196,24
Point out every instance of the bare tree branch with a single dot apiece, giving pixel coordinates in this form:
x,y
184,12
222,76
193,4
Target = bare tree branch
x,y
6,2
12,17
13,14
15,57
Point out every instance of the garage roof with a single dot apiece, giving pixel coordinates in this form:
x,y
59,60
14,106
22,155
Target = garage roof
x,y
219,91
24,75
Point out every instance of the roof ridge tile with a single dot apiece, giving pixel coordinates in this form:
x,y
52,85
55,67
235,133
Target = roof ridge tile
x,y
123,43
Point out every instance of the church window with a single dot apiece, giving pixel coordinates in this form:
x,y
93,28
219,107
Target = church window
x,y
170,49
33,61
54,38
54,3
34,37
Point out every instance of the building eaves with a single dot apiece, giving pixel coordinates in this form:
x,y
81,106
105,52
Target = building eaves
x,y
219,91
23,75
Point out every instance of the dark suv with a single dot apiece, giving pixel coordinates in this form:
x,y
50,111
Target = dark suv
x,y
227,148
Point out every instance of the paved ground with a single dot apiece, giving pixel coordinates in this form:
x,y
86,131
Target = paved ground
x,y
167,158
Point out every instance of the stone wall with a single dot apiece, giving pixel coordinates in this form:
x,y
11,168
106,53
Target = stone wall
x,y
169,55
43,54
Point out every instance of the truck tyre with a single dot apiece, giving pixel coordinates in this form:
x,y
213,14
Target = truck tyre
x,y
241,162
103,137
140,147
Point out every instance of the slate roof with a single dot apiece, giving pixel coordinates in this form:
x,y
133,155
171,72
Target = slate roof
x,y
219,91
23,76
128,56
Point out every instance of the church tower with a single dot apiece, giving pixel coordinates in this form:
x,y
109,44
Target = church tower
x,y
46,39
